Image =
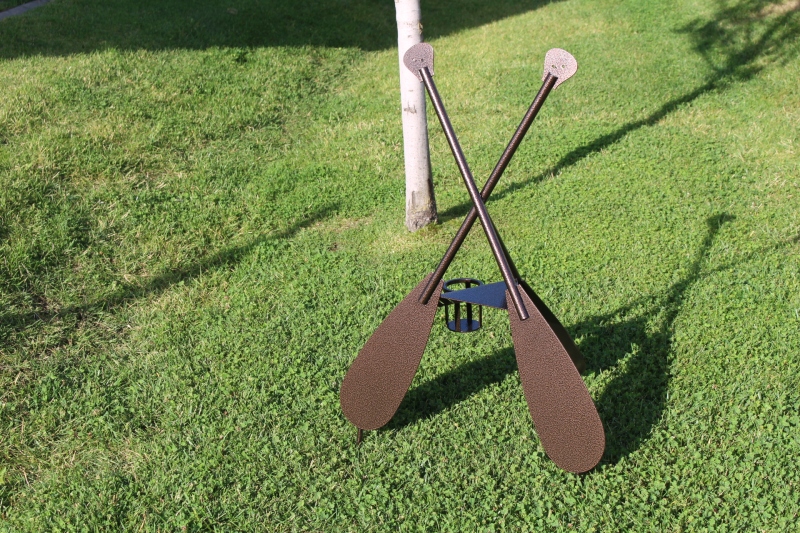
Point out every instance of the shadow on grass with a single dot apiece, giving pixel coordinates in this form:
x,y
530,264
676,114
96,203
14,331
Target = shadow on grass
x,y
634,342
637,349
158,284
737,43
453,387
83,26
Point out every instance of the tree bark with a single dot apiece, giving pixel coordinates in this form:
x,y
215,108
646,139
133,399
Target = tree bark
x,y
420,200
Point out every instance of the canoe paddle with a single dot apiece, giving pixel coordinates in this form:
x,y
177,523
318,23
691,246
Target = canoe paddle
x,y
378,379
562,410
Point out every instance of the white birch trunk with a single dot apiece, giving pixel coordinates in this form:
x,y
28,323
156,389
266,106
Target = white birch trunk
x,y
420,200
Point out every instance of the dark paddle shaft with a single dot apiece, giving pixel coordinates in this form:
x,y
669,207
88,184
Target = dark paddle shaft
x,y
469,181
488,187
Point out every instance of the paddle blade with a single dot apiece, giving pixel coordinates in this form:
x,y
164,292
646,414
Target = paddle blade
x,y
562,410
380,376
560,331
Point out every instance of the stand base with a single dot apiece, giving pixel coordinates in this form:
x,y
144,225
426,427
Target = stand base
x,y
458,324
463,325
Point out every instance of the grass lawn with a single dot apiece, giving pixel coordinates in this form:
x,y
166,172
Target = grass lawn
x,y
201,223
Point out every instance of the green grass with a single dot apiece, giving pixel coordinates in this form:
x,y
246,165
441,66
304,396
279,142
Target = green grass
x,y
201,223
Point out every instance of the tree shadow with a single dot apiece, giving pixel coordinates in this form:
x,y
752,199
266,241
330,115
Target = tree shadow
x,y
633,342
128,292
737,43
85,26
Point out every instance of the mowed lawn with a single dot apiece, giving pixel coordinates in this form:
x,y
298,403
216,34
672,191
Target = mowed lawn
x,y
201,223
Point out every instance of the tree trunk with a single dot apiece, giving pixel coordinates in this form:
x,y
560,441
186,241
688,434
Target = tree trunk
x,y
420,200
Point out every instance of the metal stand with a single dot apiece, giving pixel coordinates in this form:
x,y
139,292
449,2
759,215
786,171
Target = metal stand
x,y
458,324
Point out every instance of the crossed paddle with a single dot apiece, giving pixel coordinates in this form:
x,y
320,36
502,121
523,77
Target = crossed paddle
x,y
562,410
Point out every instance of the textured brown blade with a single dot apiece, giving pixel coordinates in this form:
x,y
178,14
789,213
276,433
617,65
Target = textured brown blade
x,y
562,410
380,376
560,331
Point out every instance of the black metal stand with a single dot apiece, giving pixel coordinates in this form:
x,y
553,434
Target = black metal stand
x,y
458,324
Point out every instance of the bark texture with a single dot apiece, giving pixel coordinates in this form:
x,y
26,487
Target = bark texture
x,y
420,199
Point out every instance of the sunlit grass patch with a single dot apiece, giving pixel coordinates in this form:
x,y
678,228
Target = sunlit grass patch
x,y
201,223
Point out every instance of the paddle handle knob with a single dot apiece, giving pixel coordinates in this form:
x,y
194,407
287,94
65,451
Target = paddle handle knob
x,y
418,57
561,64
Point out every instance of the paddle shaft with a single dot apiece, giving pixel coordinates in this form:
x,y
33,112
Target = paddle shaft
x,y
469,181
488,187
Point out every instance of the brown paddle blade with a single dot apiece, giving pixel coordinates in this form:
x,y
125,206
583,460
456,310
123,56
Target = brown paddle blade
x,y
562,410
560,331
380,376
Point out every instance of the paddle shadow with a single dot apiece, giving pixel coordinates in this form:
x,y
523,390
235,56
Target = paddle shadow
x,y
453,387
633,342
